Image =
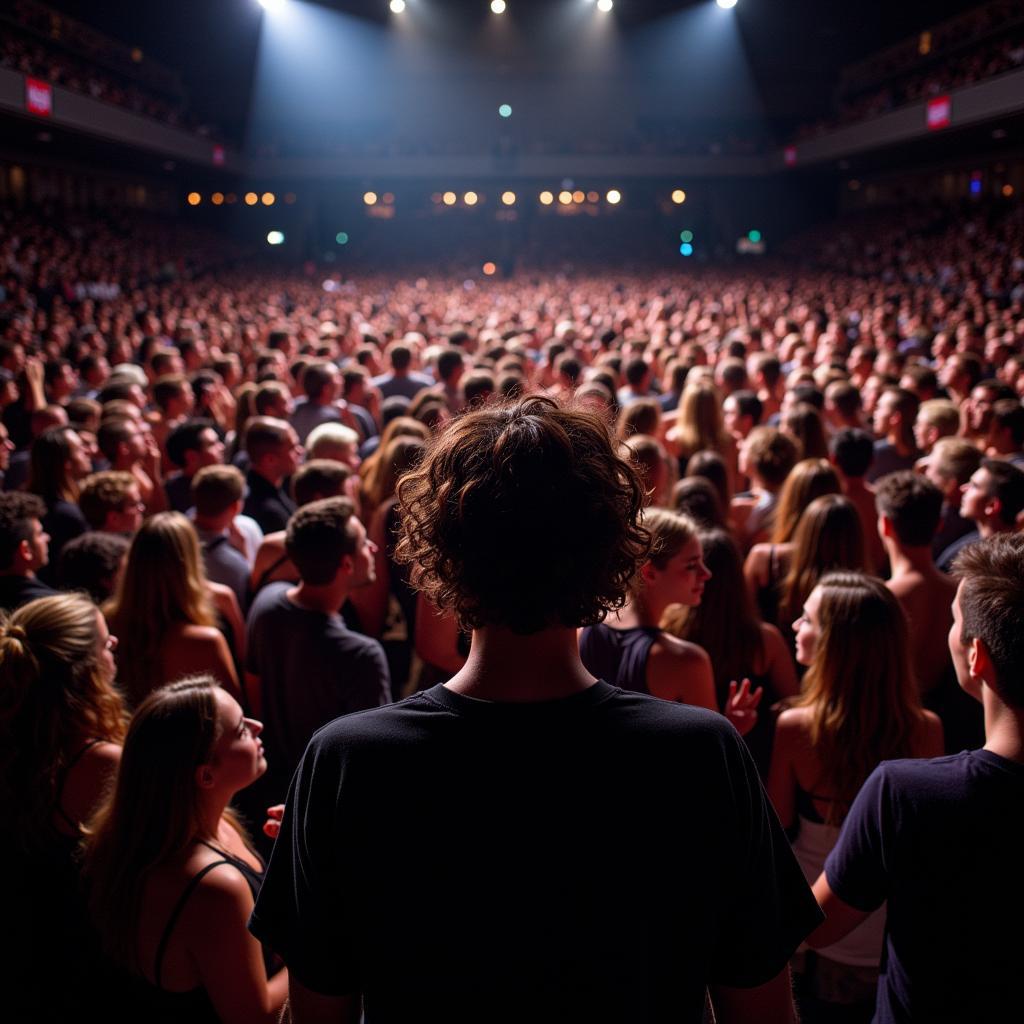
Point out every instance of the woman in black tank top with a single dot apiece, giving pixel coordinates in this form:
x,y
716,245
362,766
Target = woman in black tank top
x,y
172,876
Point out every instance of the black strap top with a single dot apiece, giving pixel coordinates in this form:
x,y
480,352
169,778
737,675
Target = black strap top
x,y
619,656
58,808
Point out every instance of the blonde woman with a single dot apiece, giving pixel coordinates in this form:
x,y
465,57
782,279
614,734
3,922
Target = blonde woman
x,y
165,611
699,425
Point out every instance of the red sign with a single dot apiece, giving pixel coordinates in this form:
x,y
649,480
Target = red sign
x,y
38,97
939,113
218,156
789,155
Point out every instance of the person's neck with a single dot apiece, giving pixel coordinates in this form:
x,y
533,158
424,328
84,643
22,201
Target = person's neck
x,y
27,574
327,599
899,442
274,482
1004,728
642,610
906,560
213,524
853,484
511,667
211,812
989,528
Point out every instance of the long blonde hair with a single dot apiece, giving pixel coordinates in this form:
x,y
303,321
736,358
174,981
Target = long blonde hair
x,y
860,687
807,480
54,693
163,584
699,421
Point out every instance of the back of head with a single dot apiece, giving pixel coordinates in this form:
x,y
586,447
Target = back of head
x,y
853,451
319,478
771,455
953,458
319,535
91,563
810,479
913,505
18,509
264,436
697,498
991,599
215,489
523,516
711,466
48,474
649,458
103,493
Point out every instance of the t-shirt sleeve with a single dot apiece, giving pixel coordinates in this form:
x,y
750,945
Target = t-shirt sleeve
x,y
857,867
771,908
371,682
304,911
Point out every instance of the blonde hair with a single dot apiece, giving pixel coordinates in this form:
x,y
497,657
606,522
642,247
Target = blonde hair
x,y
808,479
54,693
670,532
699,420
163,583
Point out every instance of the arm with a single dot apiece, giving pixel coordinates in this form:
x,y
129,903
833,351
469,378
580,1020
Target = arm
x,y
770,1003
781,784
227,604
840,917
88,781
754,570
309,1007
371,602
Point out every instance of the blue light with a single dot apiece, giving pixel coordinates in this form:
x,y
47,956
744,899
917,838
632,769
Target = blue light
x,y
505,110
686,249
341,238
975,187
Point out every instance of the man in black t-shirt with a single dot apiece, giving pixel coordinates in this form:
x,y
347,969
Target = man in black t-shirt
x,y
943,840
524,842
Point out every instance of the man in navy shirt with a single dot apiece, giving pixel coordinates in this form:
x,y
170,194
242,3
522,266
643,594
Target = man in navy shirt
x,y
943,840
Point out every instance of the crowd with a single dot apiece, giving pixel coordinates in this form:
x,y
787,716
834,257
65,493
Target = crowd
x,y
236,506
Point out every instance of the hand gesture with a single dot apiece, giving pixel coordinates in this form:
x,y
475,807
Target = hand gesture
x,y
741,706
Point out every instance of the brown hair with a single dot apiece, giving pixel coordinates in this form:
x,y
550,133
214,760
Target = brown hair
x,y
809,479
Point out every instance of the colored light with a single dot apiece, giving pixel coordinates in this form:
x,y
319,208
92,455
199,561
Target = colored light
x,y
678,197
579,196
498,6
289,198
470,198
217,198
275,237
251,199
194,198
490,269
449,199
546,198
614,196
268,198
508,198
370,198
231,198
505,110
1007,191
593,197
565,197
341,238
397,6
754,236
388,198
686,249
975,187
685,236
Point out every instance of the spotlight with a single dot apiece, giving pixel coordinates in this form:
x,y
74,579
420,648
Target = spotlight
x,y
388,198
593,197
369,198
505,110
341,238
614,196
726,5
251,199
470,198
490,269
194,198
289,198
268,198
685,236
449,199
508,198
565,197
754,236
273,6
546,198
605,5
579,196
678,196
397,6
686,249
498,6
217,198
275,237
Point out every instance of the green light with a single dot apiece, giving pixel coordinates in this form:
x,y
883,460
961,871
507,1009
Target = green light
x,y
754,236
686,236
505,110
341,238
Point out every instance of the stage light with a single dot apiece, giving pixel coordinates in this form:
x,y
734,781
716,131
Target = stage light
x,y
273,6
231,199
505,110
341,238
268,198
388,198
490,269
678,196
470,198
685,236
508,198
605,5
275,237
546,198
251,199
370,198
579,196
593,197
397,6
754,236
726,5
565,197
498,6
686,249
289,198
614,196
194,198
217,198
1007,191
450,198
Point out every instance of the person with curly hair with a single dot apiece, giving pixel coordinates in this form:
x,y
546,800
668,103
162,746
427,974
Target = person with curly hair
x,y
535,801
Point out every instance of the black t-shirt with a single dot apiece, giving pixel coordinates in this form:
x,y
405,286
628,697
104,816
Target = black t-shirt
x,y
943,842
601,857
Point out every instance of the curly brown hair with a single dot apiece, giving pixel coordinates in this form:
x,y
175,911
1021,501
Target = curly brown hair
x,y
523,516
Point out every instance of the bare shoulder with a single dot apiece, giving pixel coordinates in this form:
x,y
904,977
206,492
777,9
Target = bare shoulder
x,y
682,652
195,634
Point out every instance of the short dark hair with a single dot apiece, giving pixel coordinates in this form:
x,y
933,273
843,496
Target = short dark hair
x,y
748,404
319,478
1008,414
478,528
853,451
992,607
1008,486
448,362
636,370
90,563
264,435
319,535
912,503
185,438
169,387
400,355
316,377
112,433
216,488
845,397
17,510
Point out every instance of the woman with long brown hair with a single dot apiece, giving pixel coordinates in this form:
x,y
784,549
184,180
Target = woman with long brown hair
x,y
165,611
699,425
171,873
859,706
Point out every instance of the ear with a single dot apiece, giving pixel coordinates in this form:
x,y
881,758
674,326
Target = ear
x,y
994,508
885,526
979,661
25,550
204,776
648,572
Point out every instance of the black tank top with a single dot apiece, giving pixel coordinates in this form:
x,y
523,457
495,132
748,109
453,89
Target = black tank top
x,y
618,656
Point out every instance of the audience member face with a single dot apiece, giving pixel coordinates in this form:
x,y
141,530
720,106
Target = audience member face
x,y
38,547
106,645
808,629
237,758
79,464
975,496
961,652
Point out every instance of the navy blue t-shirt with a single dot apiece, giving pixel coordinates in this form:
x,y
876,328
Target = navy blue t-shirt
x,y
943,841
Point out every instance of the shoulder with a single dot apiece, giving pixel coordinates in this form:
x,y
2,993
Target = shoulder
x,y
791,728
668,648
272,597
193,634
